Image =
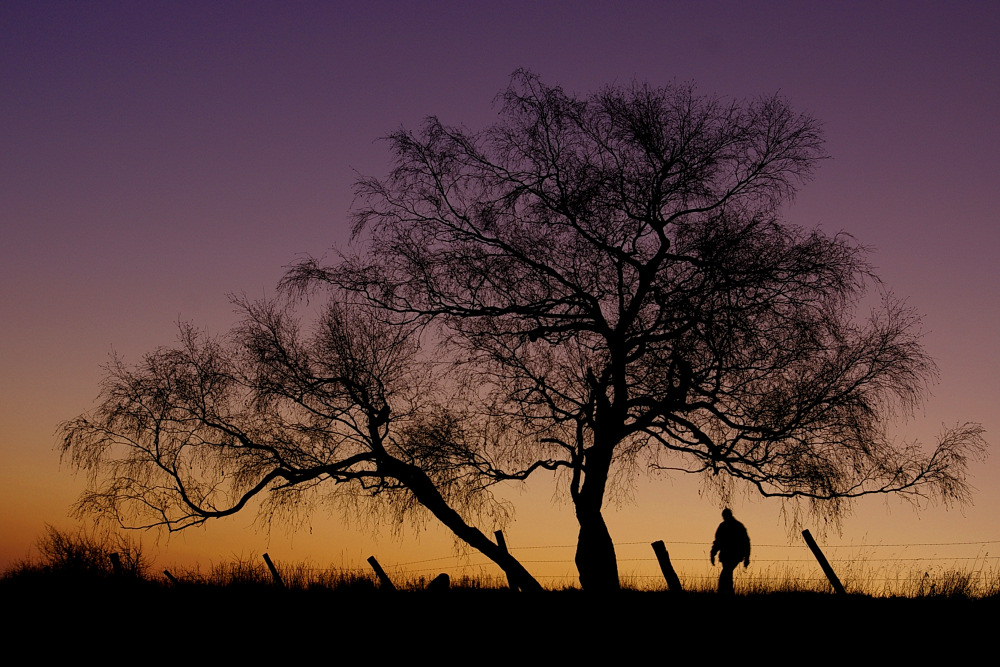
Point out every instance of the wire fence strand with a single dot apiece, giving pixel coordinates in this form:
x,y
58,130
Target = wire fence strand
x,y
879,569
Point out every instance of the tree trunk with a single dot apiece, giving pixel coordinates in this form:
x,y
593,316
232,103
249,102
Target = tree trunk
x,y
427,494
596,561
595,554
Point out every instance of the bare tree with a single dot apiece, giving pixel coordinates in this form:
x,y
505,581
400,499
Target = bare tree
x,y
348,414
615,271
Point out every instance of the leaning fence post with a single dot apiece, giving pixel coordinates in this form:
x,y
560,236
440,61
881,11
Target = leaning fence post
x,y
502,543
274,571
824,563
383,578
171,577
673,582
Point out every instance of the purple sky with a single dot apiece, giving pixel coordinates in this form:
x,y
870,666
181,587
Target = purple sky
x,y
154,159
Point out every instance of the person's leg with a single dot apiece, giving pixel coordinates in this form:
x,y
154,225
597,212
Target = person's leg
x,y
726,579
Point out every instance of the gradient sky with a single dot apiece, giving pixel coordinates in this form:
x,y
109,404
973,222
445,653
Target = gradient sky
x,y
155,158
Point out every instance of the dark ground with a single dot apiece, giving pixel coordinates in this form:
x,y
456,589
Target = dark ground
x,y
144,621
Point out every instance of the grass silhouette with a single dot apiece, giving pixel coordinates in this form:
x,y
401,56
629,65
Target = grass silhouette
x,y
73,557
235,608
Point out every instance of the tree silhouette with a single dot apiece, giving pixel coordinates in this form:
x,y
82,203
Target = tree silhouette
x,y
613,273
349,414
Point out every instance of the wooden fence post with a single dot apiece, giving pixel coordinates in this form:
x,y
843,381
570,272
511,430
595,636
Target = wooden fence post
x,y
274,571
502,543
824,563
383,578
673,581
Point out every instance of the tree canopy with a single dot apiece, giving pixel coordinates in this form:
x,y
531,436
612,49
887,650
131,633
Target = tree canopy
x,y
348,413
592,285
615,271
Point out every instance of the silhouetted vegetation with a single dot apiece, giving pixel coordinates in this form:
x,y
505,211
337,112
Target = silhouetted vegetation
x,y
593,286
613,274
347,412
86,556
83,555
70,595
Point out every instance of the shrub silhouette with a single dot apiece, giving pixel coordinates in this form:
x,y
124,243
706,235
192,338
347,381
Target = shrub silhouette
x,y
86,554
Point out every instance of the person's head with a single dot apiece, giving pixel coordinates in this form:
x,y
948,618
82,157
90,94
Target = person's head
x,y
727,514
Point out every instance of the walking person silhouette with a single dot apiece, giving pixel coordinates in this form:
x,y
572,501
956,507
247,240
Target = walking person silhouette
x,y
732,543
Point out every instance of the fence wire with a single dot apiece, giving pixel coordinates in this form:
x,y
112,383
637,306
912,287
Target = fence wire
x,y
891,569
